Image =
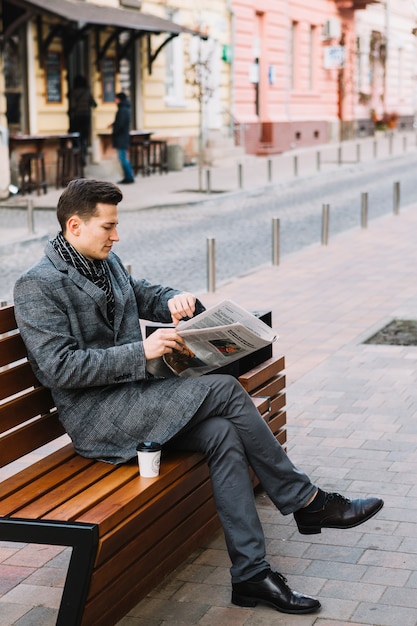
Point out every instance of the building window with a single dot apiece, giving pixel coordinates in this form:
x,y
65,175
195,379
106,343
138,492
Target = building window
x,y
174,66
14,56
293,54
312,57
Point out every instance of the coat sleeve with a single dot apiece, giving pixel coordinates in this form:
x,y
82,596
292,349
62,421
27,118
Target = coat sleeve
x,y
152,301
56,348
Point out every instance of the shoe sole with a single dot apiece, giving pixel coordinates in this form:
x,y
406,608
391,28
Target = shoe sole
x,y
249,602
315,530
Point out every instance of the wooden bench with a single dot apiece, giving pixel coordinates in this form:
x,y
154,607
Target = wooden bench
x,y
126,532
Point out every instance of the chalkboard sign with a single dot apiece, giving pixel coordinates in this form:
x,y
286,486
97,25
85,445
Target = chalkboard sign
x,y
53,70
108,77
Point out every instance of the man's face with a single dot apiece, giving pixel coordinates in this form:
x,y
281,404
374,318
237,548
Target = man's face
x,y
95,238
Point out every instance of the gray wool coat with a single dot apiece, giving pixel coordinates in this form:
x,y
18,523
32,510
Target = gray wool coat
x,y
96,372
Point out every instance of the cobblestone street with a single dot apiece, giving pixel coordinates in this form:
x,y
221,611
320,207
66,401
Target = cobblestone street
x,y
167,244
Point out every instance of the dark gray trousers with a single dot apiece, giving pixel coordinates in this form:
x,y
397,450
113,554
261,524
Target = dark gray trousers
x,y
230,432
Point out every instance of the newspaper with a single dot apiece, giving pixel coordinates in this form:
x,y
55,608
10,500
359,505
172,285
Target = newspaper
x,y
218,336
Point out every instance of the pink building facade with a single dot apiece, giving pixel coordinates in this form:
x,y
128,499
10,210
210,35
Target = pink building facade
x,y
294,72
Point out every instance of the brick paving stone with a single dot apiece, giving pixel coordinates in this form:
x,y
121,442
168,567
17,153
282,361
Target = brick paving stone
x,y
387,576
33,555
38,616
337,608
32,595
265,616
12,575
138,621
173,612
10,613
334,553
384,615
332,622
227,616
336,571
352,591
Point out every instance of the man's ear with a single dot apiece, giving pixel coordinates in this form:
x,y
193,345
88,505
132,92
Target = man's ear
x,y
73,225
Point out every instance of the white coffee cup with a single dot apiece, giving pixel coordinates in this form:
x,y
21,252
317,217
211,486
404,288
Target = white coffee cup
x,y
149,458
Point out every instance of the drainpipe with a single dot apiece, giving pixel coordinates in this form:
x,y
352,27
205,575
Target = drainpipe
x,y
232,16
387,38
287,64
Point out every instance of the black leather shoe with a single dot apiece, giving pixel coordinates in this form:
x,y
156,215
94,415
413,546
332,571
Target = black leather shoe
x,y
274,591
126,181
337,512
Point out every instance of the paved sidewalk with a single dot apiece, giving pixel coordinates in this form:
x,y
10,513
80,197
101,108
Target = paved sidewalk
x,y
351,412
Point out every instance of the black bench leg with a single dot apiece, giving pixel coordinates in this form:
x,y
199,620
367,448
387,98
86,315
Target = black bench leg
x,y
82,538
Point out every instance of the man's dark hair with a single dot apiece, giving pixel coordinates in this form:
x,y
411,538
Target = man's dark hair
x,y
81,197
121,96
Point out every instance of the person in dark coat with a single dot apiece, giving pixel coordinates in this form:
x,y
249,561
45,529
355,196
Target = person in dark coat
x,y
121,137
79,313
81,102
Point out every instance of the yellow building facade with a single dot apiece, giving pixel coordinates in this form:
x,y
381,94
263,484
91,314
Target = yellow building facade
x,y
142,48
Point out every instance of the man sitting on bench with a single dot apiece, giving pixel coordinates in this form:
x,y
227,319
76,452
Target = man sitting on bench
x,y
78,311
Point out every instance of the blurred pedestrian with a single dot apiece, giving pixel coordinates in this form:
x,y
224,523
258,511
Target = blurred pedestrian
x,y
121,136
81,102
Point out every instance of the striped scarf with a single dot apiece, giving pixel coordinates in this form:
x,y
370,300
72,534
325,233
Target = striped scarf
x,y
96,271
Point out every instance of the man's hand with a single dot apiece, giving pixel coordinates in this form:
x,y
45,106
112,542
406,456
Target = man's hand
x,y
182,305
162,341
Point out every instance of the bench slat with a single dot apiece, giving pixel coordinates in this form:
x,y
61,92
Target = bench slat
x,y
277,422
35,470
78,480
12,349
272,387
7,319
17,411
57,483
262,373
17,379
28,438
125,496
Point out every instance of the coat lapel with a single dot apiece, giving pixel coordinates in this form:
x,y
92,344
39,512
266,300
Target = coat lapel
x,y
121,290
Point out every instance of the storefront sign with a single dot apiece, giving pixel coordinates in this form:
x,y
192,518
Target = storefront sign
x,y
334,57
254,73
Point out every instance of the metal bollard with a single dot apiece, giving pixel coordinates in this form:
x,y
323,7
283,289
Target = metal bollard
x,y
240,175
358,152
128,267
396,197
405,143
375,148
339,155
318,161
275,241
364,209
30,216
295,165
269,170
325,224
208,181
211,264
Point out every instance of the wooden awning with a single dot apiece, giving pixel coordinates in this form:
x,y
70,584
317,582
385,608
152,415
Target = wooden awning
x,y
76,18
